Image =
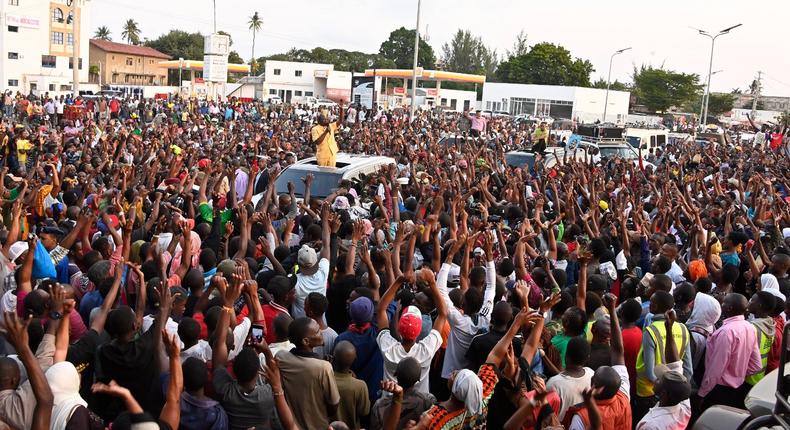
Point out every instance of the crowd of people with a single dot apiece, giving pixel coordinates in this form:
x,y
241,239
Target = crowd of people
x,y
142,288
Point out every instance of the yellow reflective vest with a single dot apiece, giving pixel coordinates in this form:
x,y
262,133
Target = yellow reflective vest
x,y
764,342
658,332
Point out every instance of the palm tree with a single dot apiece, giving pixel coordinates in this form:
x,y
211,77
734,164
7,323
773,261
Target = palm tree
x,y
102,33
255,23
131,32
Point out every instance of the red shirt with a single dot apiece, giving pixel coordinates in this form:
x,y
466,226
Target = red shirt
x,y
632,342
776,347
270,312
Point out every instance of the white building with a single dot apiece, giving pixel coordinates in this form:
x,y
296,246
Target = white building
x,y
578,103
291,81
457,100
37,42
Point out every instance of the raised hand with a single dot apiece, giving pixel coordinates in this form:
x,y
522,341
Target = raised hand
x,y
171,343
16,330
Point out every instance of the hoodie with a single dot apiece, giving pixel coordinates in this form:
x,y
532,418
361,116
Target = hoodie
x,y
765,325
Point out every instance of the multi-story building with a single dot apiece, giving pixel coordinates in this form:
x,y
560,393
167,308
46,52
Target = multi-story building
x,y
122,64
37,43
292,81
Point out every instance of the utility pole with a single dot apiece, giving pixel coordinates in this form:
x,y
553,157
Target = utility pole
x,y
75,56
756,93
215,16
414,71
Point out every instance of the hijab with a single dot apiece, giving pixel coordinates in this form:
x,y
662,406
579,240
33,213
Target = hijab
x,y
64,381
469,388
705,313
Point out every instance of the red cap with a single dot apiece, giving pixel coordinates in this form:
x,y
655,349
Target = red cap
x,y
204,163
409,326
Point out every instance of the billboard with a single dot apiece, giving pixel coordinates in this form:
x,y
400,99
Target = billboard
x,y
215,68
362,88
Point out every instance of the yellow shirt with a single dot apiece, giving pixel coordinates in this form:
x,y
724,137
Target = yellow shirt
x,y
540,134
328,146
22,146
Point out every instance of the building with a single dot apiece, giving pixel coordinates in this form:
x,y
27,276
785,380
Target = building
x,y
123,64
577,103
291,81
427,98
37,43
769,103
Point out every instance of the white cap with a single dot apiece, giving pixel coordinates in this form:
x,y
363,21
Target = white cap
x,y
17,249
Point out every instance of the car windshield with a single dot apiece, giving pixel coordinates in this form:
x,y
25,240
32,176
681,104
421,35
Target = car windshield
x,y
324,182
520,160
618,151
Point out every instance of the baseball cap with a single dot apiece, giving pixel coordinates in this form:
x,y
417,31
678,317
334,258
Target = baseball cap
x,y
17,249
410,323
361,310
307,260
341,203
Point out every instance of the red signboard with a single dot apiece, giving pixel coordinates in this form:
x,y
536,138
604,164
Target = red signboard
x,y
399,91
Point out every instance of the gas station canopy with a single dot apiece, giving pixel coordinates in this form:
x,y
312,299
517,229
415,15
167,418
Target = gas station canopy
x,y
427,75
198,65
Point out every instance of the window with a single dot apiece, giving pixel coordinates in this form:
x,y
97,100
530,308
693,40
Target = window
x,y
308,93
65,87
71,63
126,78
297,93
57,15
297,73
139,60
70,39
13,55
13,29
33,86
277,72
52,87
129,61
272,92
150,61
48,61
13,3
13,82
57,37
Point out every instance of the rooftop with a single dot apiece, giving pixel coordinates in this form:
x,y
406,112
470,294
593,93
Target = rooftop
x,y
123,48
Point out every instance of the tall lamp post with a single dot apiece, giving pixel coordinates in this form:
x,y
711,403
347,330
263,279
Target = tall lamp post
x,y
414,72
608,79
710,66
704,97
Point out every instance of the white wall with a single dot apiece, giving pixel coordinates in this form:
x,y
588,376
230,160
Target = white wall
x,y
459,96
759,116
587,102
588,105
33,40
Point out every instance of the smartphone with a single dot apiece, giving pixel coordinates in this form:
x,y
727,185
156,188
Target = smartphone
x,y
256,334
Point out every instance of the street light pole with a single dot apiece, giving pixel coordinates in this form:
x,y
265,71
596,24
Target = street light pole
x,y
414,71
608,80
704,97
710,66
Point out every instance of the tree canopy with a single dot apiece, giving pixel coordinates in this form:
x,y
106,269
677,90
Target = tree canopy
x,y
614,85
131,32
466,53
546,64
179,44
660,89
347,61
400,49
719,103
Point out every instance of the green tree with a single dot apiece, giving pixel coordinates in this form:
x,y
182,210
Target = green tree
x,y
131,32
235,58
719,103
660,89
400,49
546,64
102,33
179,44
230,38
520,46
614,86
466,53
255,23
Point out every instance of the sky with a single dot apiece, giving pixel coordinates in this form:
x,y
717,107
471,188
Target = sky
x,y
660,33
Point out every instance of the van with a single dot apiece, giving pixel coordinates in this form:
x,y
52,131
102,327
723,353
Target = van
x,y
648,139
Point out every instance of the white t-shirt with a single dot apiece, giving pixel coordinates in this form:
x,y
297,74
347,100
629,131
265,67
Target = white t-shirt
x,y
422,351
625,386
201,350
569,389
315,283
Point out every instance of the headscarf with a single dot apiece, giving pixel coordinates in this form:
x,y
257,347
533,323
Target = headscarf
x,y
135,256
64,381
194,243
705,313
469,388
770,284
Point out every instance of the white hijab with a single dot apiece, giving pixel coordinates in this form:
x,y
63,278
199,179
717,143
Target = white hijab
x,y
469,388
64,380
705,313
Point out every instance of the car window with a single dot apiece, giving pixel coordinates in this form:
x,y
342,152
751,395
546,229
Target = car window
x,y
324,183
